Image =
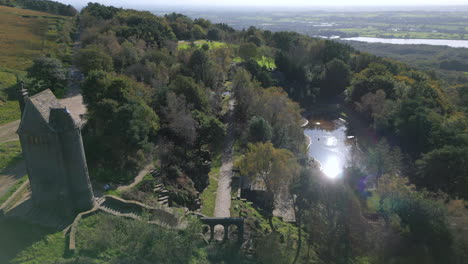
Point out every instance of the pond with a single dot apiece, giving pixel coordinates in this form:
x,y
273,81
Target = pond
x,y
329,144
436,42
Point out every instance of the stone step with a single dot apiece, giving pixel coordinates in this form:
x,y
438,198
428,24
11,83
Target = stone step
x,y
164,198
159,185
158,189
100,200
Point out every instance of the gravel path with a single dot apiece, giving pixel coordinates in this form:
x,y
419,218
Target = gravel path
x,y
223,193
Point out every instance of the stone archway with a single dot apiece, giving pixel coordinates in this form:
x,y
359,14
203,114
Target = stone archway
x,y
226,222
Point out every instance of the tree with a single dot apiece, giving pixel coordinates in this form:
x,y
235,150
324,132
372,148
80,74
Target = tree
x,y
260,73
422,216
193,93
259,130
248,51
246,94
272,168
210,130
198,64
284,116
180,119
128,56
48,73
445,169
214,34
372,104
382,159
335,78
93,58
117,116
304,195
198,32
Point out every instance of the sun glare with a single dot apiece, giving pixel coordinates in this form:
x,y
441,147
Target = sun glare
x,y
332,167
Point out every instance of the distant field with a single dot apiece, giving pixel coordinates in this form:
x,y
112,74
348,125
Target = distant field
x,y
388,24
24,35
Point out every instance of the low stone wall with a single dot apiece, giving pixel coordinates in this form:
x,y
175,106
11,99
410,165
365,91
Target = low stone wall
x,y
162,216
74,226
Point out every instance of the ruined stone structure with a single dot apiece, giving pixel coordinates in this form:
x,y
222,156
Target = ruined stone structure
x,y
54,155
226,222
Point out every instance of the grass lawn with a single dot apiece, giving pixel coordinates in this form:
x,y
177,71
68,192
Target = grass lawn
x,y
238,60
10,153
9,111
267,62
263,61
199,43
208,197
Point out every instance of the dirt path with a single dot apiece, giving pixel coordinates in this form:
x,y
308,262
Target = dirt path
x,y
10,175
138,178
8,131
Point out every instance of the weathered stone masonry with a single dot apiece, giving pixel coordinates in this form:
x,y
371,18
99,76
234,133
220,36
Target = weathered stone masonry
x,y
54,155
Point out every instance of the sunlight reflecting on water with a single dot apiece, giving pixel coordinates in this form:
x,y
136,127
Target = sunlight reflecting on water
x,y
332,167
329,146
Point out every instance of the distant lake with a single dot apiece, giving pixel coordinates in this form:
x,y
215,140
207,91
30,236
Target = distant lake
x,y
436,42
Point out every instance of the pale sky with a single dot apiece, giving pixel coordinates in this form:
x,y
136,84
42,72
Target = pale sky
x,y
270,3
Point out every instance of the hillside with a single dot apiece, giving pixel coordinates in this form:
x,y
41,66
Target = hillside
x,y
25,35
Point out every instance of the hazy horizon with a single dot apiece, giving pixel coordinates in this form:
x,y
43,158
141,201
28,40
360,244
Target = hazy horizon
x,y
294,4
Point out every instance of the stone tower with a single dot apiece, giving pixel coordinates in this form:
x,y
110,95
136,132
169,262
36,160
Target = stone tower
x,y
54,154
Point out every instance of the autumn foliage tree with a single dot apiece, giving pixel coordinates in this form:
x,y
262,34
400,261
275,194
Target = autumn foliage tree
x,y
272,168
